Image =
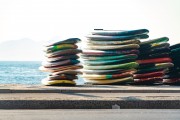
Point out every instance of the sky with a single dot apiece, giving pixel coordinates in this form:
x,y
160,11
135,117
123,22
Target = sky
x,y
42,20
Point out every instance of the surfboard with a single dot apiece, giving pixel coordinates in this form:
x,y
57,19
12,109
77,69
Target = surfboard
x,y
157,67
157,40
108,53
149,75
59,47
107,62
61,58
103,58
61,68
147,80
60,63
165,64
155,45
62,41
108,76
69,72
141,66
109,82
154,60
90,42
113,38
155,50
58,82
175,50
63,76
175,46
112,47
117,66
174,70
63,52
174,81
156,55
120,32
87,71
161,44
172,75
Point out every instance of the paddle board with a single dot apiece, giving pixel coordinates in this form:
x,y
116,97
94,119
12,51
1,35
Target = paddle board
x,y
59,47
62,41
114,38
107,62
154,45
61,68
175,46
109,82
108,53
157,40
147,80
60,58
156,55
120,32
58,82
155,50
112,47
108,76
157,67
69,72
149,75
154,60
63,52
90,42
63,76
60,63
103,58
172,81
117,66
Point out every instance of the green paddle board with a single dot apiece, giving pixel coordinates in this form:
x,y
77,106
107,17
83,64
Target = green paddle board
x,y
117,66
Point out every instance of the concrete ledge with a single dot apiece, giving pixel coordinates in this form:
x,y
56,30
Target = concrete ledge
x,y
90,101
89,89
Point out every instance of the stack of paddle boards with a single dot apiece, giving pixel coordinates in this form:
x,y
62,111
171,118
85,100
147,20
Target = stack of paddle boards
x,y
109,56
154,61
62,62
173,77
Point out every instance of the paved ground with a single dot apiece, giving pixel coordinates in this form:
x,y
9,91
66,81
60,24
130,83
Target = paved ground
x,y
89,100
75,114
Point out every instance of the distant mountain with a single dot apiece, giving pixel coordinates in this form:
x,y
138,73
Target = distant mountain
x,y
23,50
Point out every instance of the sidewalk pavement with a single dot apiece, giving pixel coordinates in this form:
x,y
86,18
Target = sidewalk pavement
x,y
93,114
89,97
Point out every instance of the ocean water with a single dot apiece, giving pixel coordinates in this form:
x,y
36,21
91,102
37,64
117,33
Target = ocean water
x,y
18,72
23,72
